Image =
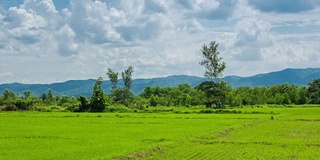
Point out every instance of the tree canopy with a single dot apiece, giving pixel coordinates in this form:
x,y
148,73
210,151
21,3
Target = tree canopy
x,y
127,77
314,91
212,62
113,76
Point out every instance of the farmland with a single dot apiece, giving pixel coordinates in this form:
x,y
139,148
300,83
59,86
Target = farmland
x,y
245,133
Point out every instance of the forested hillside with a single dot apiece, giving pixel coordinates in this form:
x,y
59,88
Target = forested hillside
x,y
84,87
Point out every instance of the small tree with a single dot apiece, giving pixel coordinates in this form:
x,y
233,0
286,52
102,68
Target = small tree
x,y
127,77
84,104
50,97
8,95
113,76
97,99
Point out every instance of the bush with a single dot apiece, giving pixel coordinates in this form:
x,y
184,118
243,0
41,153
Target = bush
x,y
118,109
139,103
73,107
55,108
207,111
8,108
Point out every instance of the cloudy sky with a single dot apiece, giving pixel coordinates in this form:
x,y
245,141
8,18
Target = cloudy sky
x,y
46,41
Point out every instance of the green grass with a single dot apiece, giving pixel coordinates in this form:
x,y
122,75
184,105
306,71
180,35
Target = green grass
x,y
250,134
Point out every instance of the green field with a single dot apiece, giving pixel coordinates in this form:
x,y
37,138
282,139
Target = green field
x,y
250,134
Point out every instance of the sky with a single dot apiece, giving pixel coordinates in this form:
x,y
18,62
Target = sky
x,y
47,41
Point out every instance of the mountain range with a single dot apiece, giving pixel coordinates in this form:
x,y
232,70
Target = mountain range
x,y
84,87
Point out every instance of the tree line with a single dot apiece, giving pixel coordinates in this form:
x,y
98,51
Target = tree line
x,y
214,93
182,95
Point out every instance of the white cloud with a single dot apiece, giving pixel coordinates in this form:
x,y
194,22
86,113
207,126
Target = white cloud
x,y
66,41
39,43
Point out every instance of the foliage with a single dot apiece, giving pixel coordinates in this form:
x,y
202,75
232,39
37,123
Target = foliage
x,y
216,92
212,62
84,104
182,95
139,103
127,77
8,95
113,76
97,99
276,94
118,109
122,96
314,91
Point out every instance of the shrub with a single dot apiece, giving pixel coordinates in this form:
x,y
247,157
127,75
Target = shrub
x,y
8,108
120,109
207,111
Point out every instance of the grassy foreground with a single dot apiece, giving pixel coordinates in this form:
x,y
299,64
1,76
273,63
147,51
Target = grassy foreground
x,y
250,134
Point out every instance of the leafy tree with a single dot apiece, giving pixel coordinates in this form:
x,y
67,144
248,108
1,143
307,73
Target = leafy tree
x,y
50,97
147,92
84,104
27,94
188,100
1,100
302,95
314,91
127,77
9,99
122,96
8,95
97,99
212,62
153,100
63,100
214,67
43,97
210,90
113,76
140,103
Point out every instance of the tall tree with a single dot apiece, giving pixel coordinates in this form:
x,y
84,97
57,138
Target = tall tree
x,y
214,67
97,99
50,96
212,62
127,77
8,95
113,76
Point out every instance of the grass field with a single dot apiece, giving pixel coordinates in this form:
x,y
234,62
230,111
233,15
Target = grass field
x,y
250,134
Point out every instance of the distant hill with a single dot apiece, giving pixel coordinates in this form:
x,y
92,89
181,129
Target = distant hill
x,y
84,87
290,76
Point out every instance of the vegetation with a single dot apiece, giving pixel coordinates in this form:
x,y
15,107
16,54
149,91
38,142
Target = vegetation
x,y
181,96
113,76
214,67
216,91
244,133
314,91
212,62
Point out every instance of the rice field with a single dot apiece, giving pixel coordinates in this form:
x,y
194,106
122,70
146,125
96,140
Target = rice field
x,y
294,133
